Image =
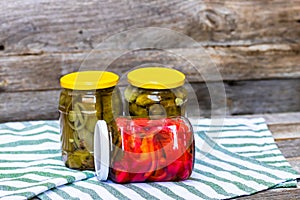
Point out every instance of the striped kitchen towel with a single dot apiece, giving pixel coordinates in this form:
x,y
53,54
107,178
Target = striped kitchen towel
x,y
238,158
30,160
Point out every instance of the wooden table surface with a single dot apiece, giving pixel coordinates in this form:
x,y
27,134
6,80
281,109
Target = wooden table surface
x,y
285,128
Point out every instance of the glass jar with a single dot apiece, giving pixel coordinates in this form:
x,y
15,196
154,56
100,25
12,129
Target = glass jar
x,y
86,97
155,91
144,150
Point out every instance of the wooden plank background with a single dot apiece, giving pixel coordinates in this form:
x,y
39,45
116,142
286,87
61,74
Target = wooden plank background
x,y
256,45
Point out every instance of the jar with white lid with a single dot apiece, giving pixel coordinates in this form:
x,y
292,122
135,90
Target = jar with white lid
x,y
144,150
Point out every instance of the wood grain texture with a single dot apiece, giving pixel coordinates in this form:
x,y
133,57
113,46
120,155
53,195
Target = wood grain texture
x,y
58,26
286,131
253,97
264,96
42,71
22,106
275,194
295,163
290,148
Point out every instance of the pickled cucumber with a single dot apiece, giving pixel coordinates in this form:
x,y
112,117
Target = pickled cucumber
x,y
80,111
131,94
136,110
150,102
144,100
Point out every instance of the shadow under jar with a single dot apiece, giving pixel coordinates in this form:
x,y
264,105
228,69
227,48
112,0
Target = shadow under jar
x,y
155,92
86,97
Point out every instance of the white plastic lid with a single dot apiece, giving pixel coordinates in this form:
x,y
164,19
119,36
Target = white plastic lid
x,y
101,150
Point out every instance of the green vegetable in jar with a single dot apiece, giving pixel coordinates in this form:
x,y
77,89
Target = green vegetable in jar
x,y
78,119
155,91
146,102
87,96
136,110
131,94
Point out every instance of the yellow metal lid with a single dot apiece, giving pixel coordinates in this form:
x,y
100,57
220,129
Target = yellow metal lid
x,y
89,80
156,78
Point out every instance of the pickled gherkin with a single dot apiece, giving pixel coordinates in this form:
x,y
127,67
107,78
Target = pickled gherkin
x,y
146,102
80,109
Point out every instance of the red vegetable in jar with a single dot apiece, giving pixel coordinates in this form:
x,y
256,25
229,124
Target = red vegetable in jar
x,y
145,150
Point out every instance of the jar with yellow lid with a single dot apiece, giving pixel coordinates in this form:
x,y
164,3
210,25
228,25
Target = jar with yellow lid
x,y
155,92
86,97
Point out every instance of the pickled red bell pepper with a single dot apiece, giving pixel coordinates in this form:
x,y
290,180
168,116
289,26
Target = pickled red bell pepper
x,y
153,150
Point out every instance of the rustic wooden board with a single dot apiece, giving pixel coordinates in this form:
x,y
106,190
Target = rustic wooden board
x,y
295,162
253,97
29,105
42,71
56,26
243,97
286,131
275,194
264,96
290,148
